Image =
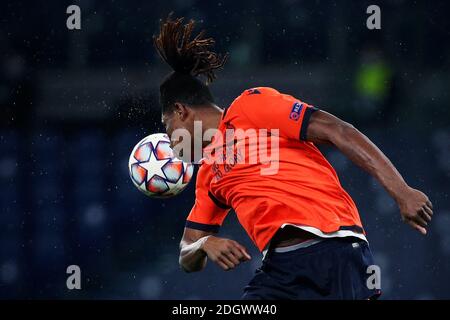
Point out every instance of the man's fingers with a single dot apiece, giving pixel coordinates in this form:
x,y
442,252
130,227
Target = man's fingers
x,y
419,220
244,251
429,204
238,254
424,214
232,257
223,265
428,210
226,261
413,224
246,255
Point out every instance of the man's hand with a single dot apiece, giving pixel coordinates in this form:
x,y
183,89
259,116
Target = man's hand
x,y
225,252
416,209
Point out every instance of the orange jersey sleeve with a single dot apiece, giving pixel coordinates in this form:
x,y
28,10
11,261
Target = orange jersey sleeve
x,y
269,109
208,213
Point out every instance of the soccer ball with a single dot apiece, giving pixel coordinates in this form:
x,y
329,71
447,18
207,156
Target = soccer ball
x,y
155,171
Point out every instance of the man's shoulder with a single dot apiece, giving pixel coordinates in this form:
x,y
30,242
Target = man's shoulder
x,y
253,97
258,91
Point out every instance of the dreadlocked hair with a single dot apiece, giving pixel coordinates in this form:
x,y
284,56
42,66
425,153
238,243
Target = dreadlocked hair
x,y
184,55
189,58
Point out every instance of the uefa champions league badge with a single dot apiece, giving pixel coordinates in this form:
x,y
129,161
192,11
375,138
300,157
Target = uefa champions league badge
x,y
296,111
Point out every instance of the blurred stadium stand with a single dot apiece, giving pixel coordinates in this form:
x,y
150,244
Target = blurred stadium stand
x,y
74,103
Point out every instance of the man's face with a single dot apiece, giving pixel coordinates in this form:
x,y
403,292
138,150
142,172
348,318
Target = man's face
x,y
171,123
181,120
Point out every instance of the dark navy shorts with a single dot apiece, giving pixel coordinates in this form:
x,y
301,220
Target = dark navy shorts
x,y
331,269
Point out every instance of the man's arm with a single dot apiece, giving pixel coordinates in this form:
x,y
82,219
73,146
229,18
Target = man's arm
x,y
196,246
415,207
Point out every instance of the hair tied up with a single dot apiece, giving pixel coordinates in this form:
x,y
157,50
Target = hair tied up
x,y
193,57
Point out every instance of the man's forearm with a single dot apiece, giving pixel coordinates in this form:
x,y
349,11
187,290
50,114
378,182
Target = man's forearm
x,y
192,257
364,153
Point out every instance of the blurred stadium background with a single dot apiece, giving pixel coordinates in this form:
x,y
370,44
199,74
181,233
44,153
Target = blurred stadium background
x,y
74,103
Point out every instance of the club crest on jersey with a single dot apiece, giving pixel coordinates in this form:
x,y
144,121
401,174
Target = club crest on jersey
x,y
296,111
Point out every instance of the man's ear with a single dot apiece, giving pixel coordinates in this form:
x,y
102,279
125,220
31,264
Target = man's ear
x,y
181,111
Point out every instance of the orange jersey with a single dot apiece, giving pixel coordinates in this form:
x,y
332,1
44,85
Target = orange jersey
x,y
304,190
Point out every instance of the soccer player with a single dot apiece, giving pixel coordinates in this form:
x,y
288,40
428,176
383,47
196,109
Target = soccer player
x,y
301,218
